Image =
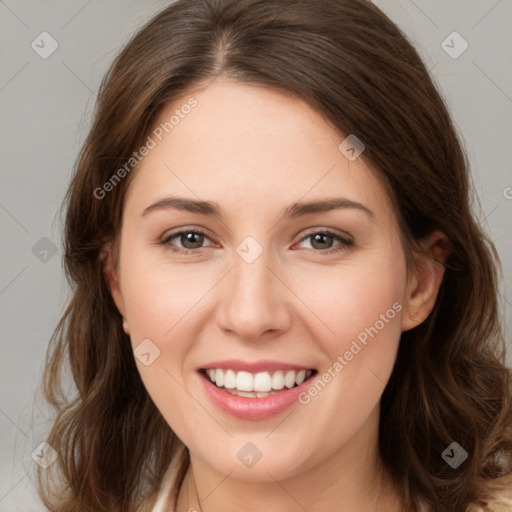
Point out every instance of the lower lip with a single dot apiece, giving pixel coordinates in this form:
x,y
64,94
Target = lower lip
x,y
253,408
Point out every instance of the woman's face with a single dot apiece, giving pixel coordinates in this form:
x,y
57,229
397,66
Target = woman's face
x,y
269,286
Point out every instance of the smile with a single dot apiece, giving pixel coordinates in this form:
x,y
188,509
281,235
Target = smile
x,y
256,385
254,391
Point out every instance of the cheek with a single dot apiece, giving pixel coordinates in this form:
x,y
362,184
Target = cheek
x,y
161,304
360,306
352,299
336,307
160,298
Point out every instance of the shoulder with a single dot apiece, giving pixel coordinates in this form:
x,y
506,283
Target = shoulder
x,y
164,499
160,500
500,502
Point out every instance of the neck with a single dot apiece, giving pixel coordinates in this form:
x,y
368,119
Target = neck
x,y
351,479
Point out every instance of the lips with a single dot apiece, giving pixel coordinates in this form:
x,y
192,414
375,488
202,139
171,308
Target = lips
x,y
256,390
253,367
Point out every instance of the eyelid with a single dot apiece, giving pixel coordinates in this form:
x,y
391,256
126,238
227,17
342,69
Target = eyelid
x,y
183,230
187,229
346,237
345,242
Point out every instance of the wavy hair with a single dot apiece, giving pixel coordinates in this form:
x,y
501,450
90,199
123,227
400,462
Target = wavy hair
x,y
359,71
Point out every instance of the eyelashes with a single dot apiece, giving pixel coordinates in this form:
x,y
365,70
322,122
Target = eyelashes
x,y
321,236
180,234
344,243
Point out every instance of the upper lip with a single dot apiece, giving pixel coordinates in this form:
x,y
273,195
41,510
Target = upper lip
x,y
253,366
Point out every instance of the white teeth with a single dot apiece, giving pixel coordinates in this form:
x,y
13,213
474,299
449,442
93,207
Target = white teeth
x,y
244,381
278,380
249,394
230,379
259,384
244,393
262,382
263,395
301,377
289,379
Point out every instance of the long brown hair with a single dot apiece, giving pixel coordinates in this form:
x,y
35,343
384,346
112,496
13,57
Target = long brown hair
x,y
358,70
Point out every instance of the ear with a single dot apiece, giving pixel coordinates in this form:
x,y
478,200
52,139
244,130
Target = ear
x,y
425,280
111,273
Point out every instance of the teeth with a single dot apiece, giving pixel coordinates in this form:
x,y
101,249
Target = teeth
x,y
230,379
251,394
278,380
262,382
301,377
259,384
244,381
289,379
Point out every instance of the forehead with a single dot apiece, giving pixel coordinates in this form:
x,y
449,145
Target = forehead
x,y
244,144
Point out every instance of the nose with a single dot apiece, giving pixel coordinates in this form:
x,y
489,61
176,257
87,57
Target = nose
x,y
254,302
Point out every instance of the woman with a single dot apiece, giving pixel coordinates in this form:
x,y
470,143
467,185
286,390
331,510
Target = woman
x,y
282,300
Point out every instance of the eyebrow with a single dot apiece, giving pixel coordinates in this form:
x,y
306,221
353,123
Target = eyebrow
x,y
295,210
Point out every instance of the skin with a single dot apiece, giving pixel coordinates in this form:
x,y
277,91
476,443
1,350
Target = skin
x,y
254,152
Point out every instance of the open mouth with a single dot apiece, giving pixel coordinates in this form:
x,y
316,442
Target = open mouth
x,y
256,385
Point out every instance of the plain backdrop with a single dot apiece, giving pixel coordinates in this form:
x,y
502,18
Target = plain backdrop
x,y
46,104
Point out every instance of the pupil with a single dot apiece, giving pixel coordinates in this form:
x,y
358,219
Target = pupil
x,y
321,238
189,238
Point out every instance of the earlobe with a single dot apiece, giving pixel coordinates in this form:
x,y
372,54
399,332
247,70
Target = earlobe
x,y
424,284
126,328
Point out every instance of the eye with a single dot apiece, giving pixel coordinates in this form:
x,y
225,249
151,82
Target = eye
x,y
322,241
191,240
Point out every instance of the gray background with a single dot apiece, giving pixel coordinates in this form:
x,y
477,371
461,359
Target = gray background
x,y
46,106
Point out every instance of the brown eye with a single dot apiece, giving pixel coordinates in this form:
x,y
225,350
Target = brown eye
x,y
321,241
326,241
185,241
191,240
